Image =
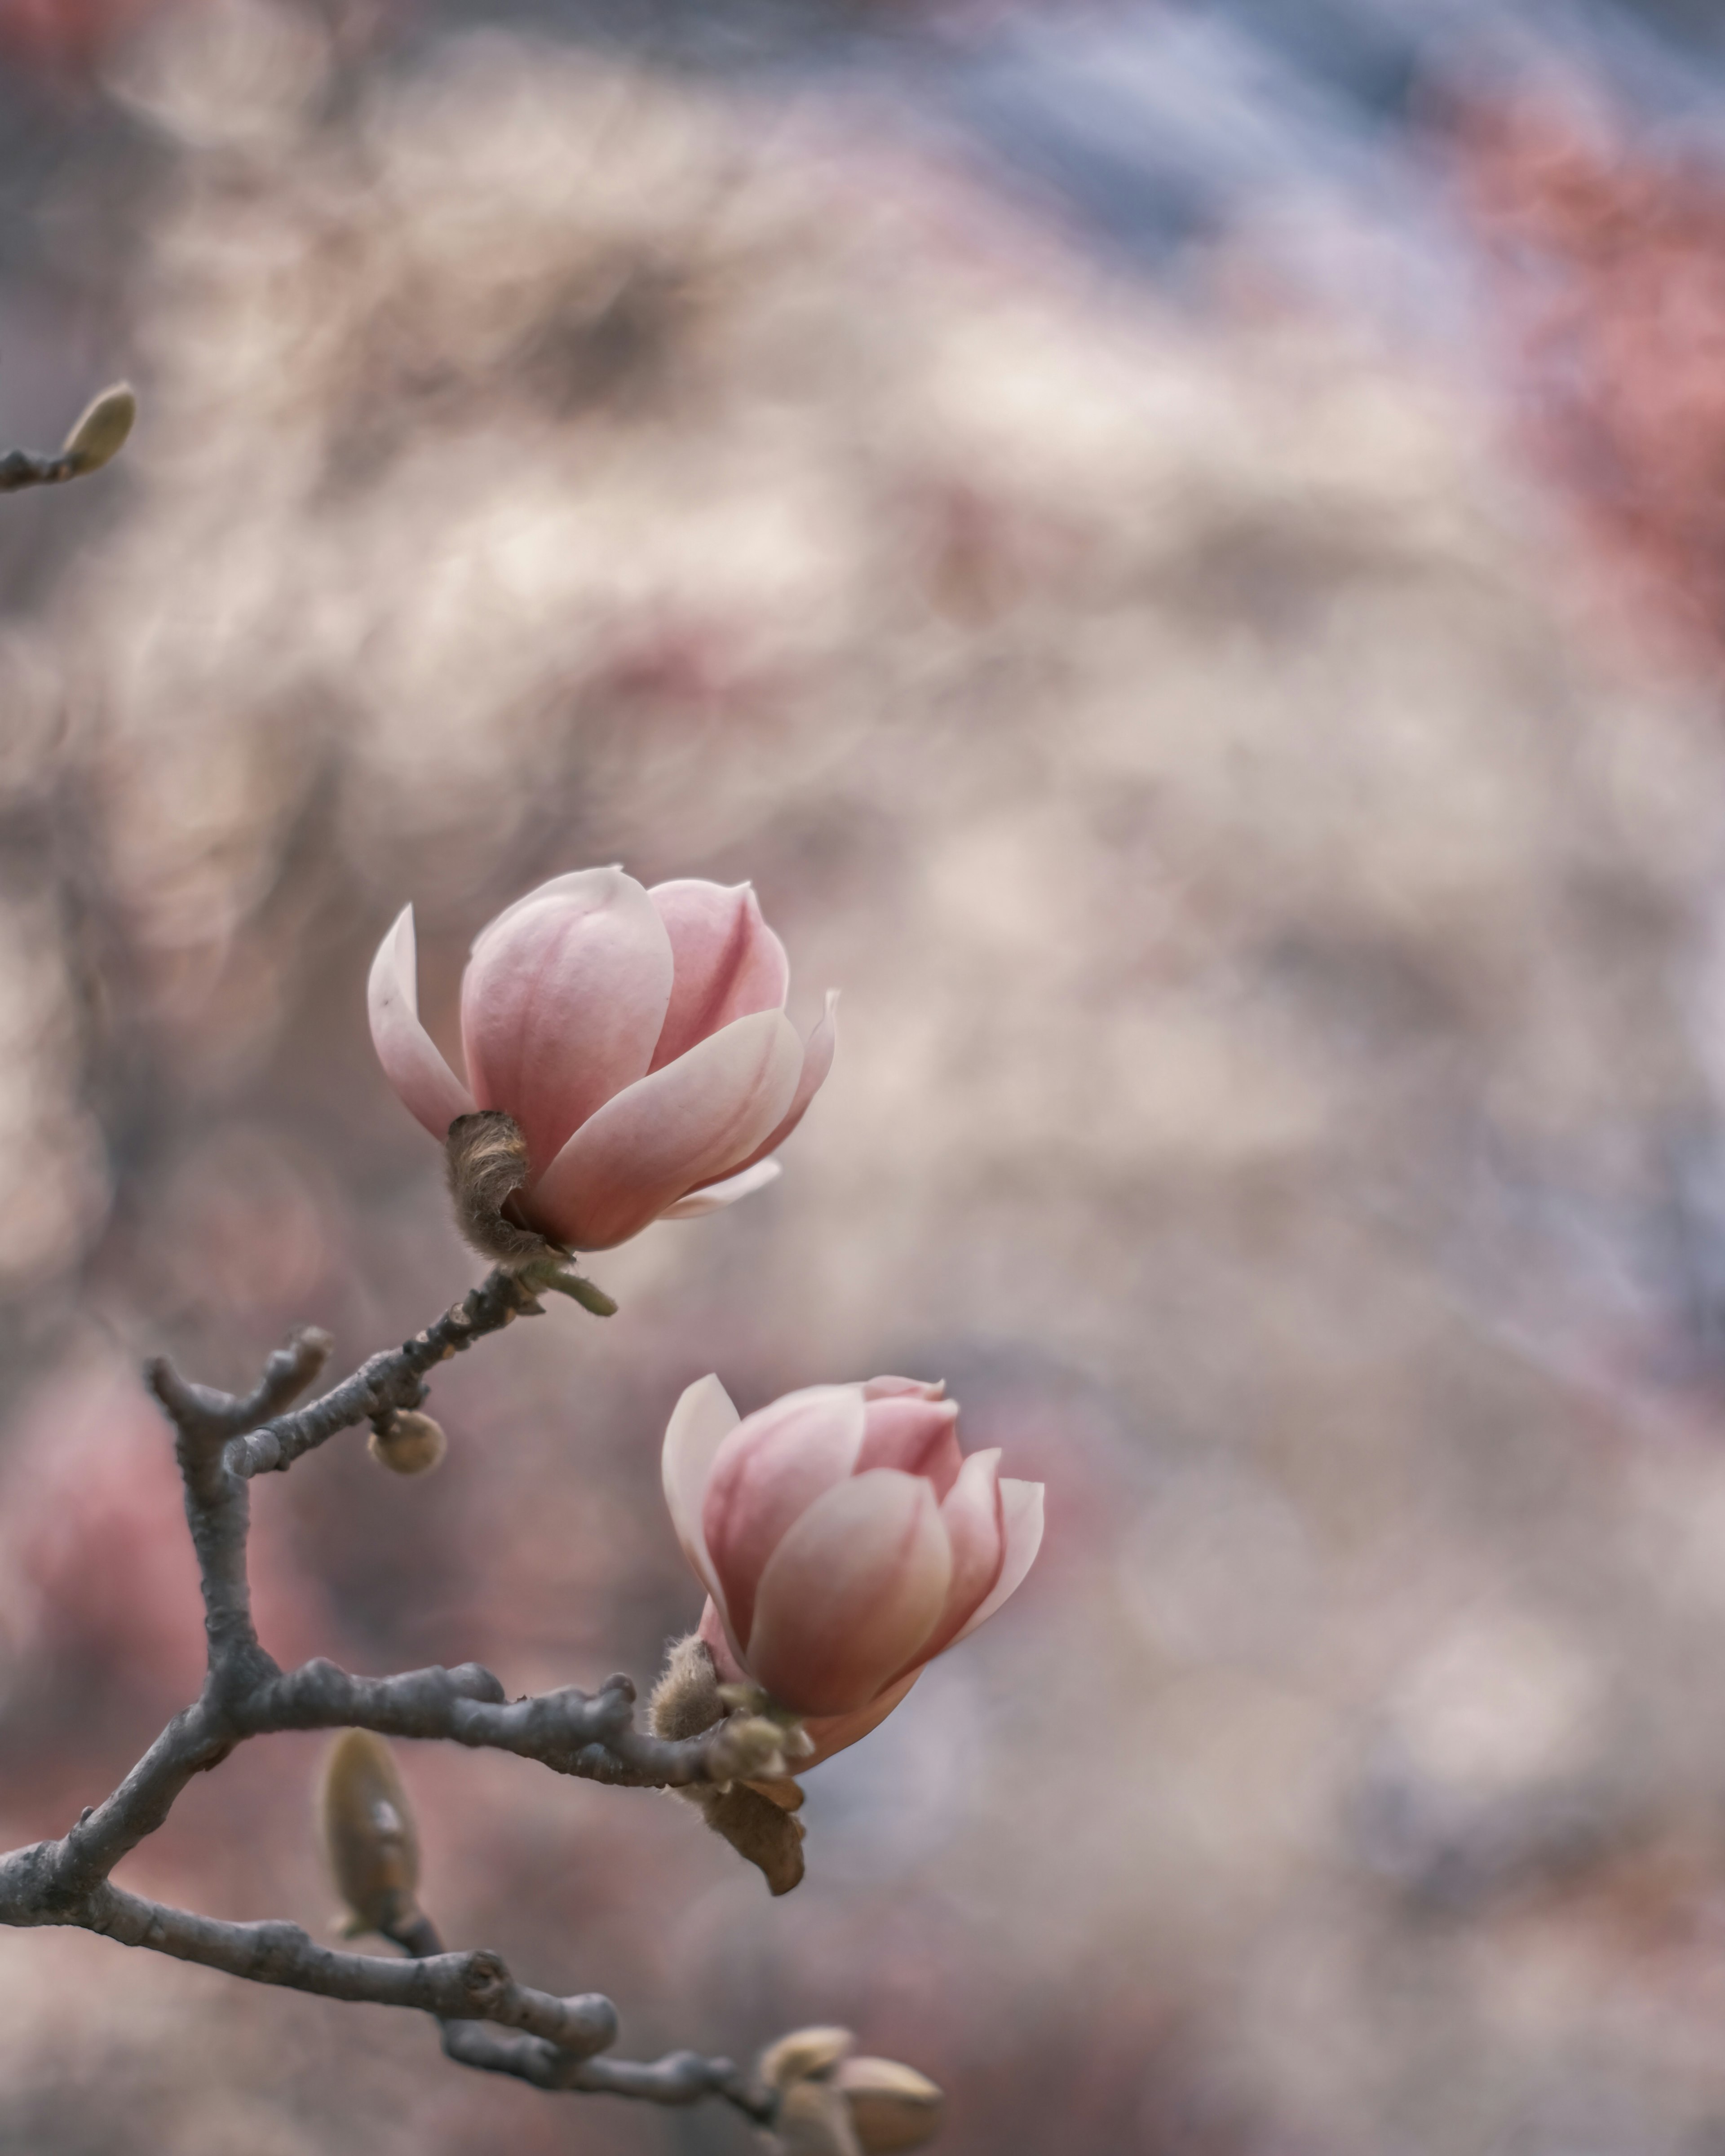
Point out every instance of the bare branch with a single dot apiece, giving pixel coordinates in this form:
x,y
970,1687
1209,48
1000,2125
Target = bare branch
x,y
488,2021
19,469
590,1736
394,1380
682,2077
471,1986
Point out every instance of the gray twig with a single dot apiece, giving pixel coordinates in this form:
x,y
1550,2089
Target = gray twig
x,y
20,468
681,2077
488,2020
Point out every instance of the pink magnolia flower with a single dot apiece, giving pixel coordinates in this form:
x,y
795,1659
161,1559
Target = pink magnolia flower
x,y
637,1037
844,1539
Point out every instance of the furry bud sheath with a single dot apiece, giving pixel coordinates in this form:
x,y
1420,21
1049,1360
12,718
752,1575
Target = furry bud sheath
x,y
844,1541
636,1040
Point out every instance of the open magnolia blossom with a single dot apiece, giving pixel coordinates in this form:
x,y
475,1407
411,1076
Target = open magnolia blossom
x,y
844,1539
637,1037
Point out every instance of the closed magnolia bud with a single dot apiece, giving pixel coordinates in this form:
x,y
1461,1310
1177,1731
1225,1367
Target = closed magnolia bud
x,y
101,432
892,2106
368,1833
803,2055
814,2119
408,1443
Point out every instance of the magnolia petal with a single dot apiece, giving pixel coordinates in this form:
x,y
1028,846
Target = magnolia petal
x,y
562,1001
919,1435
699,1424
717,1632
890,1388
1021,1532
692,1121
574,881
768,1472
831,1733
728,962
817,1052
714,1196
411,1058
850,1594
970,1514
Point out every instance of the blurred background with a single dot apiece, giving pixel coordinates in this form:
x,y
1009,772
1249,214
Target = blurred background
x,y
1183,547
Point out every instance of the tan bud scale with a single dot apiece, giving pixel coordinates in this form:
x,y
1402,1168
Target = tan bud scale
x,y
486,1159
892,2106
804,2054
814,2119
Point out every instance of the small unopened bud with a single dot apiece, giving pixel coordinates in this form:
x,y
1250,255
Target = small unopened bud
x,y
369,1837
101,432
408,1443
812,2117
892,2106
803,2055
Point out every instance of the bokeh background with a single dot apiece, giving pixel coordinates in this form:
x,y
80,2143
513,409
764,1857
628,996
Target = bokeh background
x,y
1183,548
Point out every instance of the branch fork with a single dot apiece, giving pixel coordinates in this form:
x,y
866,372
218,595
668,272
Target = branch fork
x,y
488,2021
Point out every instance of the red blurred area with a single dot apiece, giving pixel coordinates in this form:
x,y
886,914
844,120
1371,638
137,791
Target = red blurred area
x,y
66,39
100,1624
1606,248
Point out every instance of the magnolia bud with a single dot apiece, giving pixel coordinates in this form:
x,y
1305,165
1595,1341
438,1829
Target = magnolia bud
x,y
813,2119
803,2055
101,432
408,1443
891,2106
368,1834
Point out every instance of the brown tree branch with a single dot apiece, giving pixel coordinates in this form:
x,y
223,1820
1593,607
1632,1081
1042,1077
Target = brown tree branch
x,y
22,468
681,2077
488,2021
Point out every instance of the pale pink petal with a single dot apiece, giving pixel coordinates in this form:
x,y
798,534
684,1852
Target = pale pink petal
x,y
816,1054
850,1594
725,1659
689,1123
828,1732
714,1196
919,1435
970,1514
831,1733
888,1389
562,1001
699,1424
428,1088
769,1471
574,881
1021,1531
729,963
